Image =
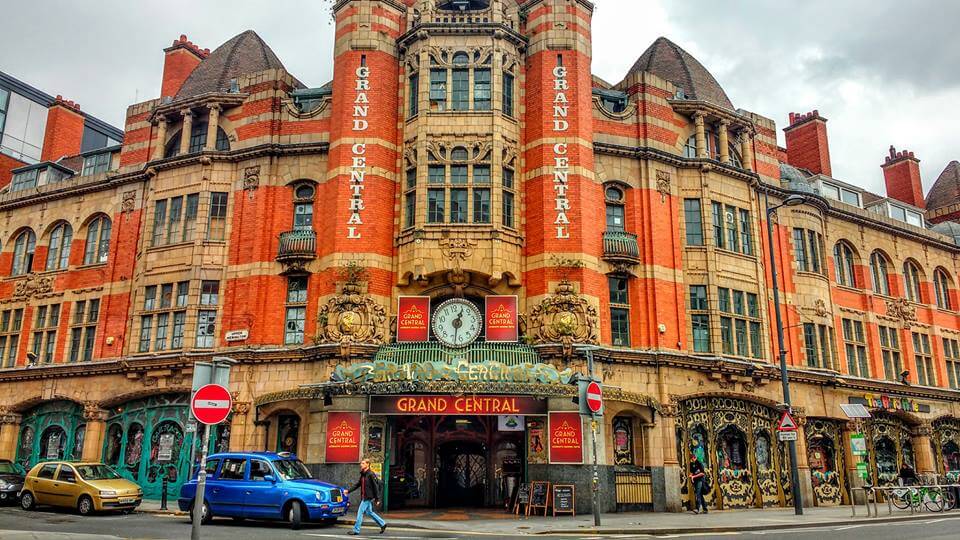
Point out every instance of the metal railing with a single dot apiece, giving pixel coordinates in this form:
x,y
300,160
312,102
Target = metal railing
x,y
510,354
620,245
297,245
634,490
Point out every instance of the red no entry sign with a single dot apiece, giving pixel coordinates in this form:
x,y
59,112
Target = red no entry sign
x,y
211,404
594,397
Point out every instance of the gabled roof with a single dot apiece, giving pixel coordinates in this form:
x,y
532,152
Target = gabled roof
x,y
243,54
946,190
667,60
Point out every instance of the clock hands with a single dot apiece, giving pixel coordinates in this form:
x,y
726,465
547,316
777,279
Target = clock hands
x,y
457,323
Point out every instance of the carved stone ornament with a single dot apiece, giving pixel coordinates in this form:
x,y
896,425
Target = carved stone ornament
x,y
352,317
92,412
457,250
8,417
902,310
129,202
663,185
564,317
820,308
32,285
251,178
241,407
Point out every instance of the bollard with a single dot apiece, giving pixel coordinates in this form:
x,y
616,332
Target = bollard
x,y
163,494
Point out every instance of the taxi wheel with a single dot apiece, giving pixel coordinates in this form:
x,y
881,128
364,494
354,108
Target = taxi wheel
x,y
205,515
27,501
85,505
295,515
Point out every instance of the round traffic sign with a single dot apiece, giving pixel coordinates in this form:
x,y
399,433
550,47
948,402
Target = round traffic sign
x,y
594,397
211,404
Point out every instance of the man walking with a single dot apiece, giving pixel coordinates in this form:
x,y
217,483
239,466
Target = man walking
x,y
369,486
697,475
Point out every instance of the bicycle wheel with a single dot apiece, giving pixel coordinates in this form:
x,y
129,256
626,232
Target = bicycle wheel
x,y
933,500
949,500
902,499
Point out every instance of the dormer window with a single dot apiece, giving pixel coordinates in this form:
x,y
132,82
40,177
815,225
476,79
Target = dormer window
x,y
906,215
463,5
96,164
39,176
841,194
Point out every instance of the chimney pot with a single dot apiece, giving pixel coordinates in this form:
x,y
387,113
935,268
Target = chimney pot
x,y
807,143
901,173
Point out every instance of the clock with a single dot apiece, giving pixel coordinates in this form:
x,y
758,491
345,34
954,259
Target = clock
x,y
457,322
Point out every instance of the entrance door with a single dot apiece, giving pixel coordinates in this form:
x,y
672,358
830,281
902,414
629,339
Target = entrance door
x,y
462,474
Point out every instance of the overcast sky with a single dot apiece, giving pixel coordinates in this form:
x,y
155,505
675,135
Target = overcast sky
x,y
882,71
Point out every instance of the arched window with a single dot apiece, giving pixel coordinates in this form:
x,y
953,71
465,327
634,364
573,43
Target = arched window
x,y
911,281
173,145
98,241
23,248
58,251
941,285
288,433
461,59
303,195
844,266
879,273
690,148
623,440
198,138
616,219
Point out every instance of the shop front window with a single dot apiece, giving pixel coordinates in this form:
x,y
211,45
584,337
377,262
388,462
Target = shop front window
x,y
732,453
52,443
114,441
288,433
762,450
78,437
623,440
134,448
886,452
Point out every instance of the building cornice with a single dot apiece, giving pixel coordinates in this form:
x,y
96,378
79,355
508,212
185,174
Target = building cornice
x,y
425,30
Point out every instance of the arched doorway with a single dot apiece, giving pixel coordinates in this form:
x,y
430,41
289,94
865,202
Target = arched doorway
x,y
51,431
462,474
946,447
735,440
890,445
146,441
826,462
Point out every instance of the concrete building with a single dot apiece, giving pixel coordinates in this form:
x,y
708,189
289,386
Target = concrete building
x,y
465,153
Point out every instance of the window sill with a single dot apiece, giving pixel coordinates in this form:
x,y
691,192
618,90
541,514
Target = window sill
x,y
852,289
816,275
166,247
737,254
91,266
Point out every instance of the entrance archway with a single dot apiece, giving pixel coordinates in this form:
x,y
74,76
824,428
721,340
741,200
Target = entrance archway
x,y
826,461
890,445
946,447
51,431
462,473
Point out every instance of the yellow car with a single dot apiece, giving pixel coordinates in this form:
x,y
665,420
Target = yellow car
x,y
88,487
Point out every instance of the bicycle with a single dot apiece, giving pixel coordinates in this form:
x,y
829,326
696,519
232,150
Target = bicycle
x,y
931,498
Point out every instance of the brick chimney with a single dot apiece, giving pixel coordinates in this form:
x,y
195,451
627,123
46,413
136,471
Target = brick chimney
x,y
64,132
178,63
807,145
901,171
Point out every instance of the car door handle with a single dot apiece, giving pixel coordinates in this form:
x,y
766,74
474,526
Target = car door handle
x,y
248,493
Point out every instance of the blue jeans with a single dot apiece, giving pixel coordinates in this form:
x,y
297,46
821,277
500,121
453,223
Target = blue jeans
x,y
366,507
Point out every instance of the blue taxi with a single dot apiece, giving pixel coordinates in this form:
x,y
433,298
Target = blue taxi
x,y
264,485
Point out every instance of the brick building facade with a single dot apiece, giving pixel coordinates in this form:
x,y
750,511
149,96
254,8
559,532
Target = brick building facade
x,y
464,150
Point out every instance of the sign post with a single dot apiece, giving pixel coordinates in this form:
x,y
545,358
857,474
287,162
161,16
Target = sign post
x,y
210,405
593,396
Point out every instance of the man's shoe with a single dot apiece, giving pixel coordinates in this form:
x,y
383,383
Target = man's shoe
x,y
353,533
383,528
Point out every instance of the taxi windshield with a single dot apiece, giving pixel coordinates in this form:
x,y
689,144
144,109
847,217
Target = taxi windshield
x,y
97,472
292,469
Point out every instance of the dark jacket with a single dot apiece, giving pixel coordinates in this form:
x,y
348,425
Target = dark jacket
x,y
369,486
696,468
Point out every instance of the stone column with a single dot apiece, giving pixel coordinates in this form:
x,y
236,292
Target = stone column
x,y
159,148
666,481
241,427
212,123
9,433
746,149
803,464
185,131
922,451
701,135
96,422
724,142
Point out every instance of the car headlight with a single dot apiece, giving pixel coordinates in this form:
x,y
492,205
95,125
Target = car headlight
x,y
108,493
3,484
321,495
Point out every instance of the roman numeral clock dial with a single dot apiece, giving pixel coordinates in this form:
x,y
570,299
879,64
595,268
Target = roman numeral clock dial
x,y
457,323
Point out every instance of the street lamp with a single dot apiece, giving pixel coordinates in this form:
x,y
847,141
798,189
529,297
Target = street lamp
x,y
792,200
588,352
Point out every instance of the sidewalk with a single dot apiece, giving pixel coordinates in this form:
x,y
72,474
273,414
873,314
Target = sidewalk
x,y
493,521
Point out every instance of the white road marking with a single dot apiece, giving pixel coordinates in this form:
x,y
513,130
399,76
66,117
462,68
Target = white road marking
x,y
848,527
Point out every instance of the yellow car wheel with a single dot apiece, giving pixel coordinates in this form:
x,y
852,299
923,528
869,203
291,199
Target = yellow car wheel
x,y
85,505
27,501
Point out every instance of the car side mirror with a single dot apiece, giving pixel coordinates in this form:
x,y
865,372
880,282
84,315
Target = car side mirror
x,y
270,478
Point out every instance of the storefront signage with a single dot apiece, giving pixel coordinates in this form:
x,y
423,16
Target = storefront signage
x,y
509,422
358,166
501,320
236,335
165,452
858,444
435,405
566,437
343,437
536,439
413,319
561,161
891,403
459,371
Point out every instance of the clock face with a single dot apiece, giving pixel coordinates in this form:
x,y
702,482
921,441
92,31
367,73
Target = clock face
x,y
457,323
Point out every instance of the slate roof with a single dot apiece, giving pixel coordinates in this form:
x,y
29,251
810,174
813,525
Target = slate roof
x,y
946,190
243,54
667,60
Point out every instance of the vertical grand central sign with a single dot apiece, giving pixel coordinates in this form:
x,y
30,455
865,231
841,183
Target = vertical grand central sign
x,y
561,161
358,165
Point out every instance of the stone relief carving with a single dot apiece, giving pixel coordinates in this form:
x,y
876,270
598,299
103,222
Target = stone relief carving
x,y
477,56
564,317
903,311
129,202
251,178
477,151
457,251
663,185
32,285
351,316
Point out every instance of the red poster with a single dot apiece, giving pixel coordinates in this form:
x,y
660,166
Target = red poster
x,y
501,318
343,437
566,437
413,319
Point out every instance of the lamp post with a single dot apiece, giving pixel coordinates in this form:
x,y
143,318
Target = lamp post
x,y
595,491
792,200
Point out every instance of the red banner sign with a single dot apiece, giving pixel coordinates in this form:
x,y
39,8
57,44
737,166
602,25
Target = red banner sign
x,y
479,405
566,437
413,319
501,318
343,437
